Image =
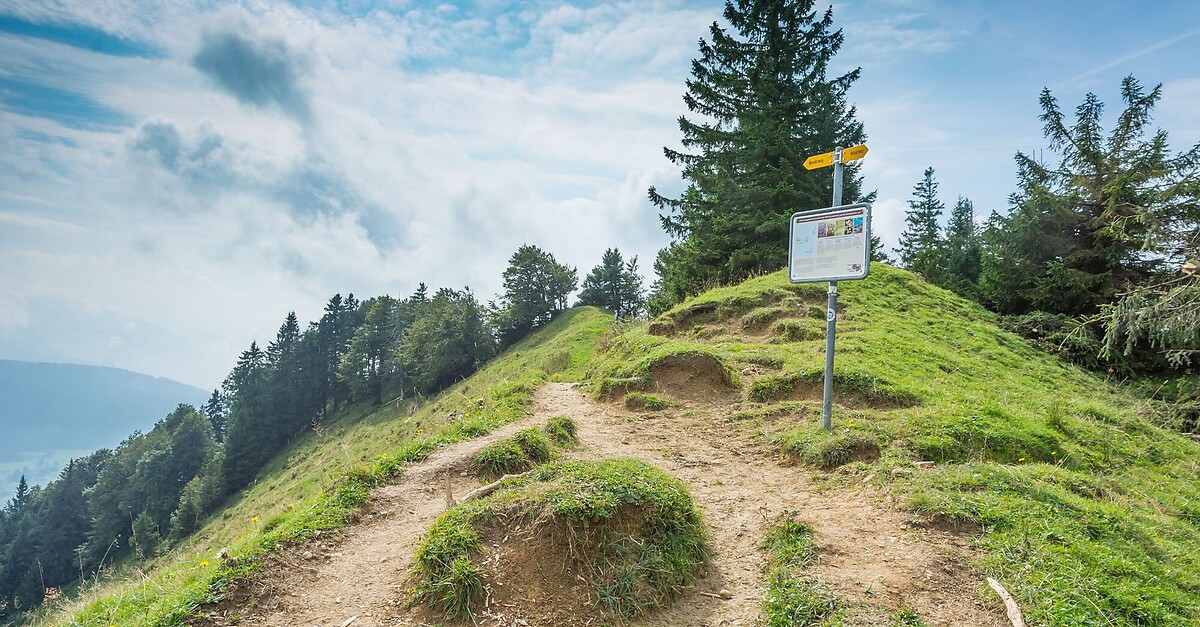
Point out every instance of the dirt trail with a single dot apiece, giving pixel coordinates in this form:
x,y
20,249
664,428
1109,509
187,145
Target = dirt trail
x,y
869,554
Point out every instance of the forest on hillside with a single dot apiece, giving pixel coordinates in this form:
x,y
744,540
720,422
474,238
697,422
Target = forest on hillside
x,y
149,493
1095,258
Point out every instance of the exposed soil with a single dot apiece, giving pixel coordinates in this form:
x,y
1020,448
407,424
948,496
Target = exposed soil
x,y
875,558
692,377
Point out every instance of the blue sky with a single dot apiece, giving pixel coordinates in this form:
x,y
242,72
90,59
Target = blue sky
x,y
176,176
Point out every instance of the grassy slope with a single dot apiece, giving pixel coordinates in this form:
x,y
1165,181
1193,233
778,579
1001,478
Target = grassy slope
x,y
1088,513
320,480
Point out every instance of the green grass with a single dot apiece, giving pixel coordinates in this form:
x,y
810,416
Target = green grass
x,y
828,449
562,431
907,617
634,533
798,330
502,458
321,481
534,445
631,359
794,598
526,449
644,400
1086,509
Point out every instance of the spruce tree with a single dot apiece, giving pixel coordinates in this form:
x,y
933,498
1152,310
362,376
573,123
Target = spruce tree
x,y
335,330
1113,212
614,285
370,363
962,251
286,384
920,243
214,410
764,102
249,442
877,251
21,499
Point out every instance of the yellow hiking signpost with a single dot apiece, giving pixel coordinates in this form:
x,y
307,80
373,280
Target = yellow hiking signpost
x,y
825,159
830,245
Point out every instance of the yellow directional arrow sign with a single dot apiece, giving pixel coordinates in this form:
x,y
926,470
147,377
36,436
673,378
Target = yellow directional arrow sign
x,y
826,158
818,161
857,152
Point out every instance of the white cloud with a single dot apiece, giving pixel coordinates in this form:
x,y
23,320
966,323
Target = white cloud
x,y
879,38
211,217
434,141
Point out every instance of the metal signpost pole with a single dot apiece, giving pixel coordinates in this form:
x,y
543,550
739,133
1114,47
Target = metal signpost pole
x,y
831,312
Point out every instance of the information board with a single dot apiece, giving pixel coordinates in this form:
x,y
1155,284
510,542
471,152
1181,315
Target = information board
x,y
832,244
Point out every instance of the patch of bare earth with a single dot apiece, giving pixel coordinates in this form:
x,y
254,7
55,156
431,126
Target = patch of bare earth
x,y
873,557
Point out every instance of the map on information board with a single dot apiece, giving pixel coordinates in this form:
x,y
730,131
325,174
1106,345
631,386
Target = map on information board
x,y
832,244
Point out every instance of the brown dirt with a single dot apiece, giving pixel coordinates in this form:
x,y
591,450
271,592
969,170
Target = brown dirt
x,y
691,377
875,558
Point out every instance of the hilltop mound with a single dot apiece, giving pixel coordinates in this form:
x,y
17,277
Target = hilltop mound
x,y
1085,508
959,451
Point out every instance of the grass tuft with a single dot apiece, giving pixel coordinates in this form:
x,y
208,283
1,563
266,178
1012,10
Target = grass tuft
x,y
644,400
794,598
907,617
562,430
502,458
818,447
524,450
534,445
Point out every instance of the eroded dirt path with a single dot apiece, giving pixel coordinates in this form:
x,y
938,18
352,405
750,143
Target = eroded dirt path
x,y
869,554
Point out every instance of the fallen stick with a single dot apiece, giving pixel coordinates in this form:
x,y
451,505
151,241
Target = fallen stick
x,y
483,491
1014,610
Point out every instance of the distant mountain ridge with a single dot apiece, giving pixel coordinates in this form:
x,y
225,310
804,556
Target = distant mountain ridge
x,y
48,410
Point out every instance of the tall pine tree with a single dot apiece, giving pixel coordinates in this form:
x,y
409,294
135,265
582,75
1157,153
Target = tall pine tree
x,y
764,102
920,243
961,251
250,439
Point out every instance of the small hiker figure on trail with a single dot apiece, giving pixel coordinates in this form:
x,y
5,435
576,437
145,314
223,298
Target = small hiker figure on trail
x,y
621,313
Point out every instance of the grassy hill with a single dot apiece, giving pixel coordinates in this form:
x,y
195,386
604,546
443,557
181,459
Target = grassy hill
x,y
1088,512
1077,498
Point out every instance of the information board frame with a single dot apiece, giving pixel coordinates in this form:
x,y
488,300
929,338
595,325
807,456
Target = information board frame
x,y
822,217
